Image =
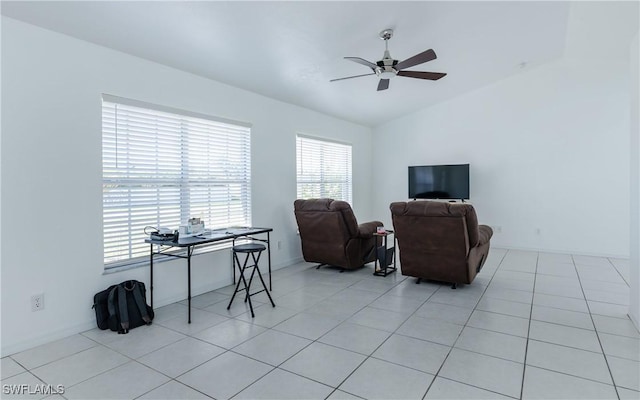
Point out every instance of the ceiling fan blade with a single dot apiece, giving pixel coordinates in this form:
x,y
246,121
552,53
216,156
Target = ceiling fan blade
x,y
349,77
433,76
417,59
362,61
383,84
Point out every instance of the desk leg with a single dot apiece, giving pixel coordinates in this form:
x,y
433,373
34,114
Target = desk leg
x,y
189,252
233,267
269,259
151,274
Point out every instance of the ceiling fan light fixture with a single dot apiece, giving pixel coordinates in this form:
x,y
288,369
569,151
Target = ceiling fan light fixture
x,y
386,72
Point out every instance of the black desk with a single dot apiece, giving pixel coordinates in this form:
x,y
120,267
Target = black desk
x,y
209,238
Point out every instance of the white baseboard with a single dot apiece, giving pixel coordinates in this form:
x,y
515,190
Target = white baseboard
x,y
556,251
48,337
287,263
73,329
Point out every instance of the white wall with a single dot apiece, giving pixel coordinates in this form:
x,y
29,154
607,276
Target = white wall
x,y
548,150
51,175
0,186
634,264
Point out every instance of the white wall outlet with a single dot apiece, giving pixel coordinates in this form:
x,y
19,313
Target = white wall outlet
x,y
537,230
37,302
279,244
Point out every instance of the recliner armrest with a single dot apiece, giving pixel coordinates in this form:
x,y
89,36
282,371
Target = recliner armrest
x,y
484,234
367,229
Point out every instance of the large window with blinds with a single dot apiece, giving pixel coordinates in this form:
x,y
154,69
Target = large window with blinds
x,y
323,169
162,166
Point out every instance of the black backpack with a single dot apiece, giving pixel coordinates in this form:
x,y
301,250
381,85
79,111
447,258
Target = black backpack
x,y
122,307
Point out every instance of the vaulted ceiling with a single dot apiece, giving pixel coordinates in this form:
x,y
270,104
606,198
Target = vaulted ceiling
x,y
290,50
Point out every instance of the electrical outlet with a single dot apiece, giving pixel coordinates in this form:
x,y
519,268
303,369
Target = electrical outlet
x,y
37,302
537,231
279,244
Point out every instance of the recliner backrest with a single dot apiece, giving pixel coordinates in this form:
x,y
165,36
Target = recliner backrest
x,y
450,228
330,233
435,209
440,241
325,222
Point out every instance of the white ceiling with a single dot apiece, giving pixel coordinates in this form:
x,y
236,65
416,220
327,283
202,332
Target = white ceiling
x,y
290,50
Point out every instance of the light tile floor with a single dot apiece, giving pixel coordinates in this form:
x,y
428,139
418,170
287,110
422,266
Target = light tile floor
x,y
531,326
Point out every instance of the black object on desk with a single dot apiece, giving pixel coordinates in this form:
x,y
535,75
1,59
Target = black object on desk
x,y
208,238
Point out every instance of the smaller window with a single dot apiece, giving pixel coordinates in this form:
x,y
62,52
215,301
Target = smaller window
x,y
323,169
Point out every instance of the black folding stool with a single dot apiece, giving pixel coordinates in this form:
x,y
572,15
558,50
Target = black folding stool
x,y
250,250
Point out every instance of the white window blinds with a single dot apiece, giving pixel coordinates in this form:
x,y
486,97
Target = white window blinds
x,y
161,167
323,169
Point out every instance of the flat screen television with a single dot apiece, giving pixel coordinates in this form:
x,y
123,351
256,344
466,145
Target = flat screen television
x,y
439,182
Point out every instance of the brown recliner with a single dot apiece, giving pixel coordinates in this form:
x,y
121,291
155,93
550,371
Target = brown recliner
x,y
440,241
331,235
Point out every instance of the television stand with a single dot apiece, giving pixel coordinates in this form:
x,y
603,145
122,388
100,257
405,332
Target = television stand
x,y
465,201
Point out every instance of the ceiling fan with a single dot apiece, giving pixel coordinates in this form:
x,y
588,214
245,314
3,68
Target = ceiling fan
x,y
387,68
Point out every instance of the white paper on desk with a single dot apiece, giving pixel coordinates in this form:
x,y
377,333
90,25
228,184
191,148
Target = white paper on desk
x,y
202,236
214,235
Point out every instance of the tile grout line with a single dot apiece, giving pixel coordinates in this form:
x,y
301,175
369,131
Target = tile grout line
x,y
616,269
595,328
298,312
312,342
104,345
369,355
369,304
93,376
392,333
412,314
464,326
526,347
335,389
186,335
477,387
61,358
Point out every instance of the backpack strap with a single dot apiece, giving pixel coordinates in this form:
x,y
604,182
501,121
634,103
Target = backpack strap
x,y
111,307
140,302
123,318
122,307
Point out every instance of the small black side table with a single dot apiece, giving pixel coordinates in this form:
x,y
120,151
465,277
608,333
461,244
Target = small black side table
x,y
385,262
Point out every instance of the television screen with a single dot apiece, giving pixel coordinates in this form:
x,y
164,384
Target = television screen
x,y
439,182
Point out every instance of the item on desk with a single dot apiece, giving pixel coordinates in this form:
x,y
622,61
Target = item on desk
x,y
194,227
161,233
381,230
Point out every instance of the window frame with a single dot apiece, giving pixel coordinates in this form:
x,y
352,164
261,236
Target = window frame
x,y
347,180
204,181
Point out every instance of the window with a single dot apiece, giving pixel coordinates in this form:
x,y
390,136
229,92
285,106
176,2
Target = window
x,y
324,169
161,166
